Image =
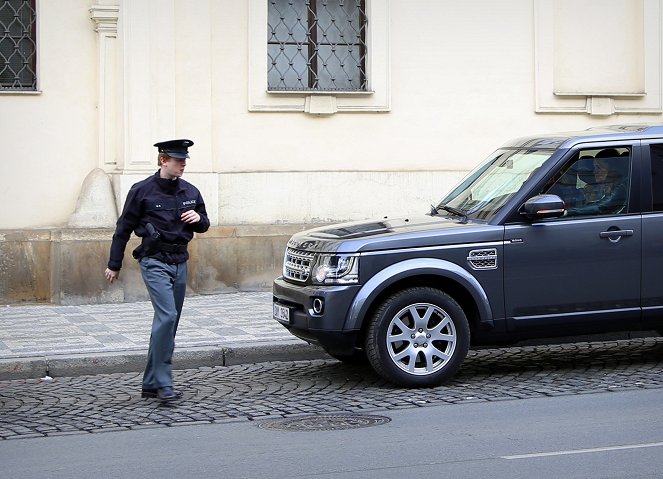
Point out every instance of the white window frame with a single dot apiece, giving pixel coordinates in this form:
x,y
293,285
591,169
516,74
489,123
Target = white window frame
x,y
376,99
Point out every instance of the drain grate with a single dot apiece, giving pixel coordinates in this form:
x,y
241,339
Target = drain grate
x,y
334,422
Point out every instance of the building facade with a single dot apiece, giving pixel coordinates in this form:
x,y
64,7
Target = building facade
x,y
302,112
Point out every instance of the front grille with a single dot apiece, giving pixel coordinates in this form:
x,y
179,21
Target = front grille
x,y
297,264
483,258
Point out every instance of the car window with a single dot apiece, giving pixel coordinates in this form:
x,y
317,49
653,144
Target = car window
x,y
488,188
656,154
594,182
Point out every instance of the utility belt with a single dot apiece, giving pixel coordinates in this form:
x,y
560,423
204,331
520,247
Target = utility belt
x,y
153,244
159,245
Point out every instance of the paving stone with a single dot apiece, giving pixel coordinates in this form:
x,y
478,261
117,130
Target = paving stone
x,y
213,320
254,390
84,404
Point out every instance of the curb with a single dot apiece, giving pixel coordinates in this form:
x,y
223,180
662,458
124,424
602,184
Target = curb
x,y
68,365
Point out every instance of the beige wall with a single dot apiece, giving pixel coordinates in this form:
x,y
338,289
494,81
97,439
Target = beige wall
x,y
48,140
457,78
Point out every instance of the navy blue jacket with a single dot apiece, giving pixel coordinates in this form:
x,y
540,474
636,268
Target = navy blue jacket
x,y
161,202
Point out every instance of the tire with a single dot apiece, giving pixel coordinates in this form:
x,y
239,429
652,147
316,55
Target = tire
x,y
418,337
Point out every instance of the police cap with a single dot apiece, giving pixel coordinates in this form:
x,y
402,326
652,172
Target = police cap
x,y
175,148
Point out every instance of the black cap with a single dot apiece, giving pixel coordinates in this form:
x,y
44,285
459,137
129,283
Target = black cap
x,y
175,148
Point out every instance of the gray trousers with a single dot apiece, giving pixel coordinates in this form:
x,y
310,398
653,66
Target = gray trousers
x,y
166,284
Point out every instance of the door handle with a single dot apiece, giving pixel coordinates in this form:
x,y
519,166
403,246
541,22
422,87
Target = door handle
x,y
615,234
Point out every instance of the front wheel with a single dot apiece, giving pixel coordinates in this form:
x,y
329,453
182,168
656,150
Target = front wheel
x,y
418,337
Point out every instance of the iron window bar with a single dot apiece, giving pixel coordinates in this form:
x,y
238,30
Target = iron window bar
x,y
299,31
18,45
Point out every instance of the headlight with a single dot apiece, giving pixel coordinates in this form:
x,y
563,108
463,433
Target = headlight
x,y
336,269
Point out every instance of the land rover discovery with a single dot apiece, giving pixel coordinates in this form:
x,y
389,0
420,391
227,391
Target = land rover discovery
x,y
552,235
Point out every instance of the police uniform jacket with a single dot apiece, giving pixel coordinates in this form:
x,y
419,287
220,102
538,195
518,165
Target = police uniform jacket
x,y
159,201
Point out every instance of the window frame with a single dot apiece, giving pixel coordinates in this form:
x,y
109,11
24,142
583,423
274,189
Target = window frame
x,y
578,157
376,98
650,204
315,74
547,100
35,89
634,189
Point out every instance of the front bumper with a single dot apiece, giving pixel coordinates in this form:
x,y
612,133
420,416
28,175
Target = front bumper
x,y
326,328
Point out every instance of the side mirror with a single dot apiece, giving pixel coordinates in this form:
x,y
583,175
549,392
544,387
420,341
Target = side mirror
x,y
543,206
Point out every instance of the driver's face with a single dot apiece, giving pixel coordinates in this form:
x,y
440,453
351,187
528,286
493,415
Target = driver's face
x,y
600,171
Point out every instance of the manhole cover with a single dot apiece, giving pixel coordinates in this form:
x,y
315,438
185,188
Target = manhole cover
x,y
333,422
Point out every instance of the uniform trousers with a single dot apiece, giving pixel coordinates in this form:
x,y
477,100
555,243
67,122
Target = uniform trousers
x,y
166,284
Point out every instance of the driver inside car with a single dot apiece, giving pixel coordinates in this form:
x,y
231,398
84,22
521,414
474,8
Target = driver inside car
x,y
604,181
607,188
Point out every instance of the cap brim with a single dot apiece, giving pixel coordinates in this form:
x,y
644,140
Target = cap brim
x,y
178,155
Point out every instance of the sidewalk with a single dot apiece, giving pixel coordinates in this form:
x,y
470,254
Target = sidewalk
x,y
214,330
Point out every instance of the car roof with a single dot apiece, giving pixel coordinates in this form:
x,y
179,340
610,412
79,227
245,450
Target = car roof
x,y
553,141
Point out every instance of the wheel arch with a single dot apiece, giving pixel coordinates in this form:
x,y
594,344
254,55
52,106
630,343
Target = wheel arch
x,y
441,274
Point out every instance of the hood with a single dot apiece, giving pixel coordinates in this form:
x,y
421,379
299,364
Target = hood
x,y
394,233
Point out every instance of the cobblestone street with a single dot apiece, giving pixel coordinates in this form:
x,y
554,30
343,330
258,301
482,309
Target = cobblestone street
x,y
92,404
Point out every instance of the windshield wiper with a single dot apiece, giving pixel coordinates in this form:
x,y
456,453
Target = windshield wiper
x,y
453,211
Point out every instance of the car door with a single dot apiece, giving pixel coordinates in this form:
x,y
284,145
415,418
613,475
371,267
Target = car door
x,y
652,235
579,273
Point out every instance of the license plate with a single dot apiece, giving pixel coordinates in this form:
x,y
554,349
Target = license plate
x,y
281,313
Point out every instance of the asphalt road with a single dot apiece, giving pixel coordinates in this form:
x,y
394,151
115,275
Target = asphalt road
x,y
603,397
604,435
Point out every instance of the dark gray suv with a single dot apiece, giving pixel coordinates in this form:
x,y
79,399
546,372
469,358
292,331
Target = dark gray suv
x,y
552,235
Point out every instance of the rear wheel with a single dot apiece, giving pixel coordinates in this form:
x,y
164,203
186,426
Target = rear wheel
x,y
418,337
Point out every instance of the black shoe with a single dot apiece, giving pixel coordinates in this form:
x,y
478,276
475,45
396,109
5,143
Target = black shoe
x,y
167,393
149,393
153,393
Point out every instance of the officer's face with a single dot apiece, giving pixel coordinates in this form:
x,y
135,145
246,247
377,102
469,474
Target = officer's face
x,y
172,168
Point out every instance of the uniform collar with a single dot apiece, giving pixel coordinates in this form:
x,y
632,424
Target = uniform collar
x,y
167,185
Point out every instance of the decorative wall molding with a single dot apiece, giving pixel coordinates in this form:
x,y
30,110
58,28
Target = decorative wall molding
x,y
616,67
105,19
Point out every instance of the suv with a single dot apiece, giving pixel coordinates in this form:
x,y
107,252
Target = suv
x,y
552,235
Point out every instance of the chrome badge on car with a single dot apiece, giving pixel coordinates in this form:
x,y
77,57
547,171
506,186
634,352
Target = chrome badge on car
x,y
305,245
480,259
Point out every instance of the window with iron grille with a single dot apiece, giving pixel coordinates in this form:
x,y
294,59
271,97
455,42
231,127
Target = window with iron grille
x,y
18,46
317,45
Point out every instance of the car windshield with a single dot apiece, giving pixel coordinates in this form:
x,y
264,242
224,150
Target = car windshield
x,y
486,189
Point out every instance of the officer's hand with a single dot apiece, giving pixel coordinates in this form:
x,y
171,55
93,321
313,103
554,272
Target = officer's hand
x,y
190,217
111,275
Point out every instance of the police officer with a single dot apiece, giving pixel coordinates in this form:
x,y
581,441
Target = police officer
x,y
165,211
